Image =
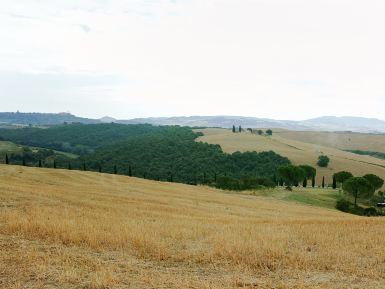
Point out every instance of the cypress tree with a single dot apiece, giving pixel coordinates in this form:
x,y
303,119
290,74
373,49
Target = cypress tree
x,y
69,166
84,166
323,182
54,164
115,170
334,182
40,164
313,181
129,171
233,128
24,163
304,184
240,129
6,159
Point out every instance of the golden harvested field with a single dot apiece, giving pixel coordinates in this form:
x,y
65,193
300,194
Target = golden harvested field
x,y
340,140
298,152
72,229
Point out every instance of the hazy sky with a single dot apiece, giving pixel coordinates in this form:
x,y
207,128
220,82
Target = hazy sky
x,y
285,59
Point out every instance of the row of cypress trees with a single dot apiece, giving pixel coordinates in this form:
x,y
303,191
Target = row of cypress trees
x,y
170,177
84,167
69,165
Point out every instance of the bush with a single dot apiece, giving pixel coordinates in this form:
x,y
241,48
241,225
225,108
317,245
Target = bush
x,y
343,205
370,212
323,161
348,207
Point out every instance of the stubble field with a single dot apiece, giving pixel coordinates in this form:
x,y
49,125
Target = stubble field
x,y
71,229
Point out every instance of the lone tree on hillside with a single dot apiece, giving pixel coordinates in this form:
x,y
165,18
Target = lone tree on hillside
x,y
342,176
233,128
291,175
323,161
269,132
358,187
375,181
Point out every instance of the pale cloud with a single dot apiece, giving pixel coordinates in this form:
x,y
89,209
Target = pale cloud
x,y
269,58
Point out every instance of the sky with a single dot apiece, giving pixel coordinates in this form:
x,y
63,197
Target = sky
x,y
282,59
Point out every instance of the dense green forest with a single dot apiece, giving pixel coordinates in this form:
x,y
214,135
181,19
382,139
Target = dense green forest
x,y
78,138
155,152
181,159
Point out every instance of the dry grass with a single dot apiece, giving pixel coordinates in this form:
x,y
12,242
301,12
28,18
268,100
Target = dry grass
x,y
71,229
297,151
340,140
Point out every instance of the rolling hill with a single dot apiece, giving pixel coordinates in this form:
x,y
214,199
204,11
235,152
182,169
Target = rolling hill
x,y
71,229
34,118
301,151
339,140
326,123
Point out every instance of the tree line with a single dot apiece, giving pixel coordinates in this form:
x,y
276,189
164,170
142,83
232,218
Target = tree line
x,y
268,132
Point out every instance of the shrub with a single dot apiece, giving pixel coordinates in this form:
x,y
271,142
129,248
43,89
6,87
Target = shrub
x,y
348,207
343,205
323,161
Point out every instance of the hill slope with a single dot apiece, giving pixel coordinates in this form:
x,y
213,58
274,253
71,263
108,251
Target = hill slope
x,y
326,123
298,152
68,229
339,140
35,118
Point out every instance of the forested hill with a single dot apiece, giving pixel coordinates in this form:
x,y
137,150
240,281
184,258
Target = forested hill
x,y
80,138
182,159
156,152
34,118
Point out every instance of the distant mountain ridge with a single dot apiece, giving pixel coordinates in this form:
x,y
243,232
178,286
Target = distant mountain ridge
x,y
325,123
36,118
